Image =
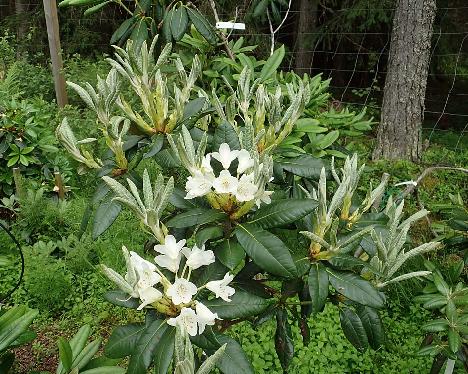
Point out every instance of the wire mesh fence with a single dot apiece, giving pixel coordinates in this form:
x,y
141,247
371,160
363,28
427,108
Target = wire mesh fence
x,y
355,60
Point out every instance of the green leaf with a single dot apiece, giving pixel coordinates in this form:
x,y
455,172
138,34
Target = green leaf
x,y
123,340
208,233
202,25
283,212
65,353
139,34
196,217
437,325
317,282
162,356
166,27
353,329
454,340
304,166
233,361
309,125
96,8
230,253
105,216
266,250
284,342
356,288
179,22
145,346
105,370
328,139
120,298
272,64
156,145
193,107
373,325
124,29
242,305
225,133
260,9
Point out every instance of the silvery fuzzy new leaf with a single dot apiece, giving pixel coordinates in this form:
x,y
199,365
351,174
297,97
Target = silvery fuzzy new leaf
x,y
391,254
163,104
65,135
184,357
155,200
103,99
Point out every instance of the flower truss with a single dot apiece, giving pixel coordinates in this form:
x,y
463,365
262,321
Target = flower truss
x,y
145,281
232,180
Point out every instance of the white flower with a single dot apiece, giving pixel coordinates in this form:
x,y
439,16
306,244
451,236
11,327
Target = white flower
x,y
181,291
171,246
246,189
225,183
264,198
197,257
171,253
225,155
245,161
145,271
221,289
148,296
198,185
166,262
186,320
206,165
205,317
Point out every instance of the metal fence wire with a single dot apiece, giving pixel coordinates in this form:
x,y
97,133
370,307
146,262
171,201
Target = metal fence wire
x,y
355,59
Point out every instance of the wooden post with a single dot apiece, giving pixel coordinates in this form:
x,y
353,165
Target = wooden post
x,y
50,11
59,187
18,183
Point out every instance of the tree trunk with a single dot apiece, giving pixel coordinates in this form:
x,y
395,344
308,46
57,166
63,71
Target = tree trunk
x,y
399,132
307,19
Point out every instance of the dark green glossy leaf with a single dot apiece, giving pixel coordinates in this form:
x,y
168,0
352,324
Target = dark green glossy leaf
x,y
202,25
106,214
284,342
208,233
225,133
355,288
230,253
266,250
196,217
179,22
120,298
283,212
123,340
145,347
272,64
242,305
373,325
353,329
65,353
139,33
303,166
317,282
164,351
156,145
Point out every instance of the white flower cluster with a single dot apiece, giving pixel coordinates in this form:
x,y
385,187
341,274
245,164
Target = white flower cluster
x,y
244,186
176,298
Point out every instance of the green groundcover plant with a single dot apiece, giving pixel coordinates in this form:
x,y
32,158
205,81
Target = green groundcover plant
x,y
238,227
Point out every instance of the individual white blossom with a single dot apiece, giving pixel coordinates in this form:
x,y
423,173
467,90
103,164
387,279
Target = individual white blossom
x,y
265,197
145,271
181,291
245,161
171,253
225,156
187,320
221,289
205,317
246,189
199,184
148,296
206,165
197,257
225,183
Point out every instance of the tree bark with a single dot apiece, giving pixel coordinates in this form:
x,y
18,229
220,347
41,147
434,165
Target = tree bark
x,y
399,132
307,19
